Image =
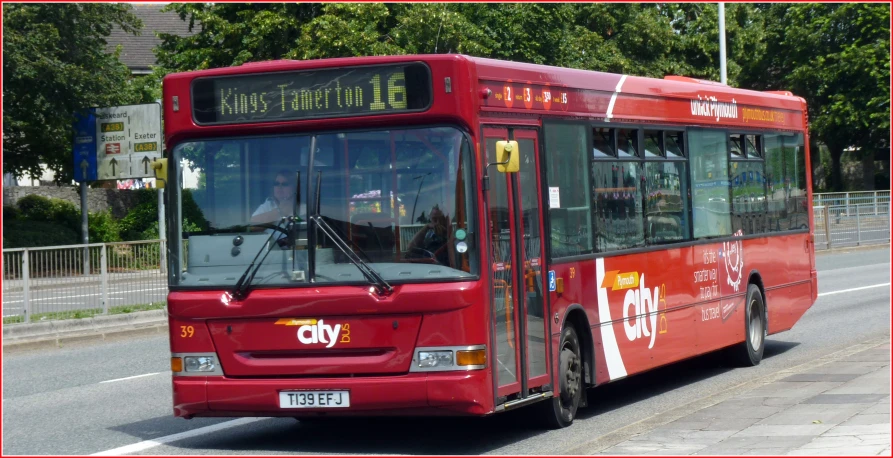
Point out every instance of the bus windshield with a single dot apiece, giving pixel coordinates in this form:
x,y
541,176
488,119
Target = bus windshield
x,y
399,199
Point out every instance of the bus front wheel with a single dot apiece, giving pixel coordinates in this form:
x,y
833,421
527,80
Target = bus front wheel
x,y
561,409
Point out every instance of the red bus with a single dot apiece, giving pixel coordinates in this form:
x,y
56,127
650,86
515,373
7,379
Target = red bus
x,y
449,235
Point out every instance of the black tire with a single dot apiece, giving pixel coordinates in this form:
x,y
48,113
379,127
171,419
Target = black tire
x,y
561,409
750,352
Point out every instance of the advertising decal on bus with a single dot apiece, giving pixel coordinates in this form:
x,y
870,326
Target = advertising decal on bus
x,y
734,260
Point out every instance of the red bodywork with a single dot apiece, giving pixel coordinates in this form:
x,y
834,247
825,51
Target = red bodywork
x,y
697,289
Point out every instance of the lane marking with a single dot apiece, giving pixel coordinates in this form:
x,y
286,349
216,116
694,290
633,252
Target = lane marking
x,y
86,295
854,289
145,445
129,378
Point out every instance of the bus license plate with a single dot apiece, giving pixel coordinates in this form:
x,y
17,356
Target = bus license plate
x,y
313,399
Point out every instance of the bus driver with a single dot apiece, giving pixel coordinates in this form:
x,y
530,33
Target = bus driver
x,y
281,202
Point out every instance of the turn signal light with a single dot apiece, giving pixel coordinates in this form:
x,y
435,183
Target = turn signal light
x,y
176,364
471,357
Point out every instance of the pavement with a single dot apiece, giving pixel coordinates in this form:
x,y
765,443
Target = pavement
x,y
837,405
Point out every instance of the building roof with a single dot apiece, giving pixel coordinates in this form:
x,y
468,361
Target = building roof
x,y
137,51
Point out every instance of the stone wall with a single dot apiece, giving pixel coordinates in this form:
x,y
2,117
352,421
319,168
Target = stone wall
x,y
119,201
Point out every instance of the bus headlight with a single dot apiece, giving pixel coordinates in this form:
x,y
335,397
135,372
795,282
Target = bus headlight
x,y
200,363
463,358
436,358
196,364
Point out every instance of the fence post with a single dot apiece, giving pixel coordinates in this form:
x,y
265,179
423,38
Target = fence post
x,y
875,203
26,286
162,259
104,278
858,228
847,202
826,215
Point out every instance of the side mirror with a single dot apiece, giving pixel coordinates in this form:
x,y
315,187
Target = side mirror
x,y
507,156
160,167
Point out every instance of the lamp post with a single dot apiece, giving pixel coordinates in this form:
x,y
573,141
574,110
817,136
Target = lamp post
x,y
722,43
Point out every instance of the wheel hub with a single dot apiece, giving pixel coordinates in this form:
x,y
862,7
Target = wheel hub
x,y
571,372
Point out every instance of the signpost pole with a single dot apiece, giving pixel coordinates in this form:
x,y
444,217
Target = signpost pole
x,y
162,233
85,232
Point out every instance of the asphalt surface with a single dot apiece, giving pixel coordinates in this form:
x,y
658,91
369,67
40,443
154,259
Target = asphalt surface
x,y
68,295
54,401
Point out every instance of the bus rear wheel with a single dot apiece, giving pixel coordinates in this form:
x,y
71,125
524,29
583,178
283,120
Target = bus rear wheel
x,y
750,352
561,409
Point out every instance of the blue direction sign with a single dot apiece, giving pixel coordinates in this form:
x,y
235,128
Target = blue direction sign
x,y
85,147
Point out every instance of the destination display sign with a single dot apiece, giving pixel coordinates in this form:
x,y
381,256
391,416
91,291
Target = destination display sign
x,y
352,91
704,108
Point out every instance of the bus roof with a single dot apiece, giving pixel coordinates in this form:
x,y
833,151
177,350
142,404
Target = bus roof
x,y
499,87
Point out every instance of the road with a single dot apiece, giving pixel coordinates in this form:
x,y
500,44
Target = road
x,y
101,397
68,294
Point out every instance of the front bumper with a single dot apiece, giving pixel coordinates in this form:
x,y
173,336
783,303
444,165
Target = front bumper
x,y
435,393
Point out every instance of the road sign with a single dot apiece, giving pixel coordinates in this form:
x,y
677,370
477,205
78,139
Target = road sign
x,y
85,147
128,140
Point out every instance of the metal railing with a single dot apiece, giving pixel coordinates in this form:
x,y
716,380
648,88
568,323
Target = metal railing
x,y
851,225
77,281
846,199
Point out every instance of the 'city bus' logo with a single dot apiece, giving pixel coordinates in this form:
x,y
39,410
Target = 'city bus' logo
x,y
313,331
641,305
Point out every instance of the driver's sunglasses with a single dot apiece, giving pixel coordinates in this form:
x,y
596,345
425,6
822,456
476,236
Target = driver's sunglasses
x,y
282,184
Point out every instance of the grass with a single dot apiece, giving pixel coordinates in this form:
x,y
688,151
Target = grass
x,y
85,313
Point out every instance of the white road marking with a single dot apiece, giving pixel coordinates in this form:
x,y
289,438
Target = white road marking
x,y
84,295
145,445
854,289
128,378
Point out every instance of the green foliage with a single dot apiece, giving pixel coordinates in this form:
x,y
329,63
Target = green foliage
x,y
49,210
103,228
36,208
837,57
138,220
55,64
22,233
10,213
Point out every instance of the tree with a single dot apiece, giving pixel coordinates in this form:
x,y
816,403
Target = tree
x,y
55,64
837,57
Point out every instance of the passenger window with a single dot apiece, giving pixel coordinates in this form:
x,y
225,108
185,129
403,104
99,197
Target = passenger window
x,y
569,211
748,197
710,182
752,146
666,202
786,182
627,143
653,144
602,142
736,145
674,143
617,205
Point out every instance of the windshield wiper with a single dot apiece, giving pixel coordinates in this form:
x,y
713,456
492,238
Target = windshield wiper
x,y
382,286
240,291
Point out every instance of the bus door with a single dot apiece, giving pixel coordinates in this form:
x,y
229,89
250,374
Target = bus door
x,y
516,261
